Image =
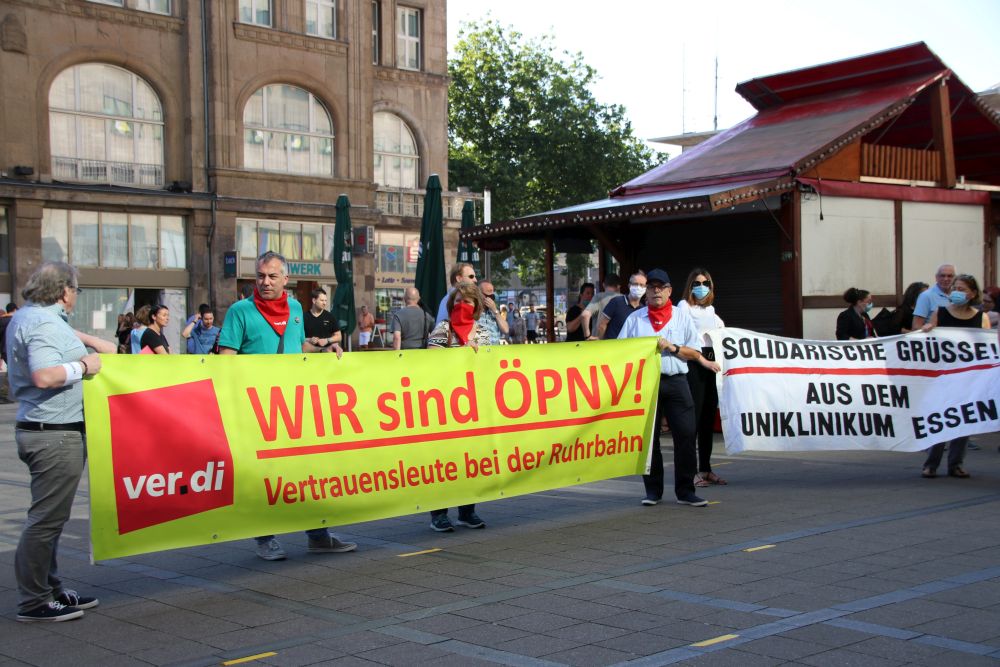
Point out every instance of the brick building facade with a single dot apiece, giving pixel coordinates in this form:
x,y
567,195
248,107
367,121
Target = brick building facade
x,y
142,140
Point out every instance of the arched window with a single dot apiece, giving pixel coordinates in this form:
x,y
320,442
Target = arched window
x,y
287,130
395,152
105,126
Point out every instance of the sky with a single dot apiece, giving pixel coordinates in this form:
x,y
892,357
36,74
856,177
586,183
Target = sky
x,y
648,51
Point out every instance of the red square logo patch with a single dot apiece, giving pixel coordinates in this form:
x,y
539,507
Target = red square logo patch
x,y
170,455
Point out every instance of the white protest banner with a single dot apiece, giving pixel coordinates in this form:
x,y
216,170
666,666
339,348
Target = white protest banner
x,y
901,393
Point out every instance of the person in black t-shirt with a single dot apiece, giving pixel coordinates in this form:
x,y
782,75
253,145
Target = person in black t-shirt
x,y
320,325
153,337
575,327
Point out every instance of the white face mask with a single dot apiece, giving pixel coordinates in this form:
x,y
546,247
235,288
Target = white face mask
x,y
636,291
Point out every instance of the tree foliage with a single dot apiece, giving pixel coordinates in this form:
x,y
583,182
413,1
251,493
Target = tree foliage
x,y
524,124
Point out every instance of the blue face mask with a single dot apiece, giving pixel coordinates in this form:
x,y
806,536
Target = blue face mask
x,y
869,306
700,292
958,298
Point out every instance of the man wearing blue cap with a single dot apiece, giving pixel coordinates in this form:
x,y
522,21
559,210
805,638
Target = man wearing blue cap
x,y
679,343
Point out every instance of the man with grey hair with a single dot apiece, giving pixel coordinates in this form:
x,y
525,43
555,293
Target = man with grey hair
x,y
411,324
47,361
935,297
271,323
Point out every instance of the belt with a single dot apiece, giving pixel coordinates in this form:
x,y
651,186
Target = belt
x,y
80,427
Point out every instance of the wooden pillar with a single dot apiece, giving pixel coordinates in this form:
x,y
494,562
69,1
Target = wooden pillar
x,y
550,290
790,247
941,123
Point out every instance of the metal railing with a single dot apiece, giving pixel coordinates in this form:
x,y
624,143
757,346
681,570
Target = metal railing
x,y
102,171
406,202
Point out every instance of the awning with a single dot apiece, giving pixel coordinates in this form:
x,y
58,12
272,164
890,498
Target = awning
x,y
673,203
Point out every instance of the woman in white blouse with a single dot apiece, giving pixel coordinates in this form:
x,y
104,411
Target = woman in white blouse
x,y
699,293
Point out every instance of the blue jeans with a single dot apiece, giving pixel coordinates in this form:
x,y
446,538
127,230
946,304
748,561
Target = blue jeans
x,y
55,460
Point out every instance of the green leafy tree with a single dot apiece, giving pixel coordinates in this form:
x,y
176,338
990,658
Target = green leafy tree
x,y
524,123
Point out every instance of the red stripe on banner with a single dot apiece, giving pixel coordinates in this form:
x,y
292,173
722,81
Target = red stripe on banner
x,y
913,372
449,435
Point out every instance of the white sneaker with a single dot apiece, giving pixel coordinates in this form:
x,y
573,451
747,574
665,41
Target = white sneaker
x,y
271,550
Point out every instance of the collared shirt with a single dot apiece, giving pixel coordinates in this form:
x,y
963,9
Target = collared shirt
x,y
488,322
38,337
680,330
930,300
246,331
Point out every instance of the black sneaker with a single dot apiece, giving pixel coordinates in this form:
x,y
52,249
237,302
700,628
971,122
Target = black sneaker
x,y
441,523
692,500
53,612
649,501
71,598
470,521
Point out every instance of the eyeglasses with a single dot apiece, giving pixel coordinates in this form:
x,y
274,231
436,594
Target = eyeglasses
x,y
699,283
657,287
76,289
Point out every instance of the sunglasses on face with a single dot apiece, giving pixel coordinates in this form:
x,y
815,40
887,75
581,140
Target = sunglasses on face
x,y
699,283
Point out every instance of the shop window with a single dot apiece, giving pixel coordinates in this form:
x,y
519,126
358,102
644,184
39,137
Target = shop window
x,y
287,130
114,240
408,31
395,152
105,126
308,241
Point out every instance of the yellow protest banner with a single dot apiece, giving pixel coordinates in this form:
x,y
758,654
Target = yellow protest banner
x,y
188,450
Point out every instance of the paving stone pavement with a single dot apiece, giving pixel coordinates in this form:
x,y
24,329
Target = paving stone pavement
x,y
834,558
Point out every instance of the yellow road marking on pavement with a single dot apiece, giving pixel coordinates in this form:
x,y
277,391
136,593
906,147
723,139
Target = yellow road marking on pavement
x,y
714,502
417,553
716,640
249,658
723,463
766,546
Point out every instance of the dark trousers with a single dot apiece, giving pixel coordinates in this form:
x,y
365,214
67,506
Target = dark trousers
x,y
706,401
675,403
464,511
956,453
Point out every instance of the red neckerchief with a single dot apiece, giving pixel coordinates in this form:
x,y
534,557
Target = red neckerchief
x,y
659,317
461,320
275,311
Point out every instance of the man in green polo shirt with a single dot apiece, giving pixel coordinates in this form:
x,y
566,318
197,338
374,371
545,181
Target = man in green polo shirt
x,y
271,323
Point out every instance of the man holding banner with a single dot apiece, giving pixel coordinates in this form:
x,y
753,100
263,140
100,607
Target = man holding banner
x,y
679,342
271,323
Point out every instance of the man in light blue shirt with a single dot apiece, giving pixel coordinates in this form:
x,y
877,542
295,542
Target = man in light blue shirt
x,y
935,297
678,342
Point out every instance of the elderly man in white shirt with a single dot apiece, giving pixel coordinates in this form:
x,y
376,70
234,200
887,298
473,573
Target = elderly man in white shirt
x,y
679,342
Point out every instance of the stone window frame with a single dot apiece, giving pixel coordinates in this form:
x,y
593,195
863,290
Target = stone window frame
x,y
415,156
254,6
318,4
405,40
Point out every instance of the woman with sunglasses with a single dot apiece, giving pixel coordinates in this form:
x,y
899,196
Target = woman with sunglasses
x,y
699,294
153,338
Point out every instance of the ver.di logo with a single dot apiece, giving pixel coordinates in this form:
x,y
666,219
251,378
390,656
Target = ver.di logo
x,y
169,467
